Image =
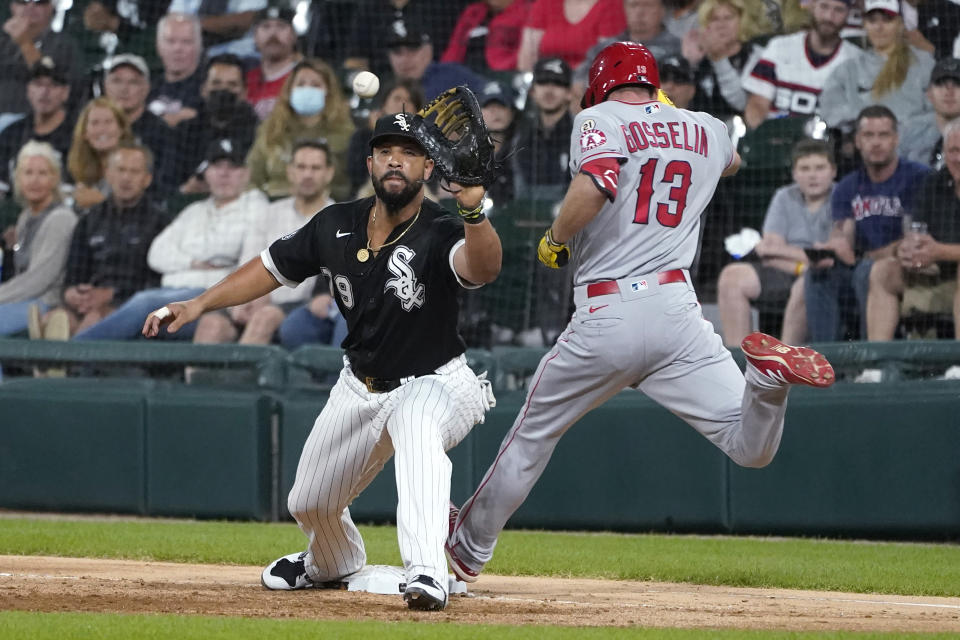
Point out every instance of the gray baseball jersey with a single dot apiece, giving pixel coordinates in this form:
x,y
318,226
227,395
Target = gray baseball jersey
x,y
637,322
659,166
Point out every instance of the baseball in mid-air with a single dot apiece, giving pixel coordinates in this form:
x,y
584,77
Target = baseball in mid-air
x,y
366,84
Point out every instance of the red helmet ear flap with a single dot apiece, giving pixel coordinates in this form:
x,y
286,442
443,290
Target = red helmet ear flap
x,y
619,64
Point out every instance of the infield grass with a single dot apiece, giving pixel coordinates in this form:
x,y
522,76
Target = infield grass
x,y
78,626
832,565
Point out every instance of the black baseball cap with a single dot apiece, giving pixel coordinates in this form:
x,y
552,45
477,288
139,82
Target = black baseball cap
x,y
276,11
47,67
225,149
494,92
402,33
677,69
395,125
945,68
553,71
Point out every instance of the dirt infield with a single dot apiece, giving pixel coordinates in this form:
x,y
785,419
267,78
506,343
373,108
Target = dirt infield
x,y
34,583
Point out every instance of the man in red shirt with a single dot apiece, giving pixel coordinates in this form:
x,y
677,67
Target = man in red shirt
x,y
487,35
276,40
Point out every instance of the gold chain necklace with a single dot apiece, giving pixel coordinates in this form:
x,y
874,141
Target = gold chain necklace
x,y
363,254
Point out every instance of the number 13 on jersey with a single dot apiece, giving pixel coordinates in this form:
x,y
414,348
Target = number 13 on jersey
x,y
677,174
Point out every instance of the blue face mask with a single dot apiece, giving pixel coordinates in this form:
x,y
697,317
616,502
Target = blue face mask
x,y
308,101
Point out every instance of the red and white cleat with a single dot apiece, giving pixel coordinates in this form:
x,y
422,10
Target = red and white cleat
x,y
458,566
786,364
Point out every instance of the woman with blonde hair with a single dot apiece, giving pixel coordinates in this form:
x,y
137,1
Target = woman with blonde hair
x,y
101,128
725,54
42,241
890,72
310,105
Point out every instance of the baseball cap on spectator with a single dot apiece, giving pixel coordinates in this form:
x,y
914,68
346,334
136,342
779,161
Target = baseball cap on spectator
x,y
945,68
676,69
394,125
552,71
494,92
890,7
225,149
276,11
46,67
403,33
135,62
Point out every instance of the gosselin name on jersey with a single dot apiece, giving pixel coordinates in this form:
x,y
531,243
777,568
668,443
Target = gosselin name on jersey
x,y
639,136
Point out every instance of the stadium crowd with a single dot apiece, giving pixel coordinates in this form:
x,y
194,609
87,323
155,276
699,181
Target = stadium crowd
x,y
148,148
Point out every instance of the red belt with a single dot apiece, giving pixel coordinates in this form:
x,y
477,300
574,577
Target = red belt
x,y
610,286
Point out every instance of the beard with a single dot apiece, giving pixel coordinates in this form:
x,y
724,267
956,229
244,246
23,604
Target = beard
x,y
395,201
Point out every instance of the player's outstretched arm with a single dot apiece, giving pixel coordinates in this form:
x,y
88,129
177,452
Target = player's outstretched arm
x,y
247,283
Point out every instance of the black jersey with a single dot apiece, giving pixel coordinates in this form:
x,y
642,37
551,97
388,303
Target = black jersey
x,y
401,306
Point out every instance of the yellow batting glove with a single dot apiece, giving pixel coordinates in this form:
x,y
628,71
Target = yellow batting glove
x,y
664,98
551,253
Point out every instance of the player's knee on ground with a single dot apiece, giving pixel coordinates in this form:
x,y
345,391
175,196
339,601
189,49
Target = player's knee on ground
x,y
214,328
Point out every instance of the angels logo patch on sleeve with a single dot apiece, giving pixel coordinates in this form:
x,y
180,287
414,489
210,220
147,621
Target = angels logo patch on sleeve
x,y
591,139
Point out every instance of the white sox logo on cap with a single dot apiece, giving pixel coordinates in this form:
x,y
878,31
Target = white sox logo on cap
x,y
401,121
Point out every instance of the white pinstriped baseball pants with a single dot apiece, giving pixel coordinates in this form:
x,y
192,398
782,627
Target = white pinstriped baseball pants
x,y
354,436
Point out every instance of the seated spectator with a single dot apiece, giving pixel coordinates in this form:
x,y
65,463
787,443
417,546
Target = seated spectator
x,y
681,18
500,116
42,238
199,248
127,83
410,51
26,37
540,164
104,28
374,21
726,53
932,25
868,206
925,266
791,71
487,35
310,174
47,121
644,19
677,81
921,140
108,255
225,24
276,41
890,72
175,95
798,217
101,128
567,29
397,97
311,105
224,113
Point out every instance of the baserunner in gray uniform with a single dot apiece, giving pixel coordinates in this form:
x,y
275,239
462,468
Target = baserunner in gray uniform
x,y
643,173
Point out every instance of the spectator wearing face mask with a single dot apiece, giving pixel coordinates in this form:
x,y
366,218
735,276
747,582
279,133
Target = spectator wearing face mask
x,y
311,105
224,113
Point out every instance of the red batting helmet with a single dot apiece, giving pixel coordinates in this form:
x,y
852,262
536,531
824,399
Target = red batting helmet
x,y
619,64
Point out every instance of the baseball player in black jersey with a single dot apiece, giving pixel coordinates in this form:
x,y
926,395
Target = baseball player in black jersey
x,y
396,263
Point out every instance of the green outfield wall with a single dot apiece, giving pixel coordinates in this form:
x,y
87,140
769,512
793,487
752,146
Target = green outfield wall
x,y
878,460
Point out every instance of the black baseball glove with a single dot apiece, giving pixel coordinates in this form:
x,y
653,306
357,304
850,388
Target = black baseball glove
x,y
452,131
